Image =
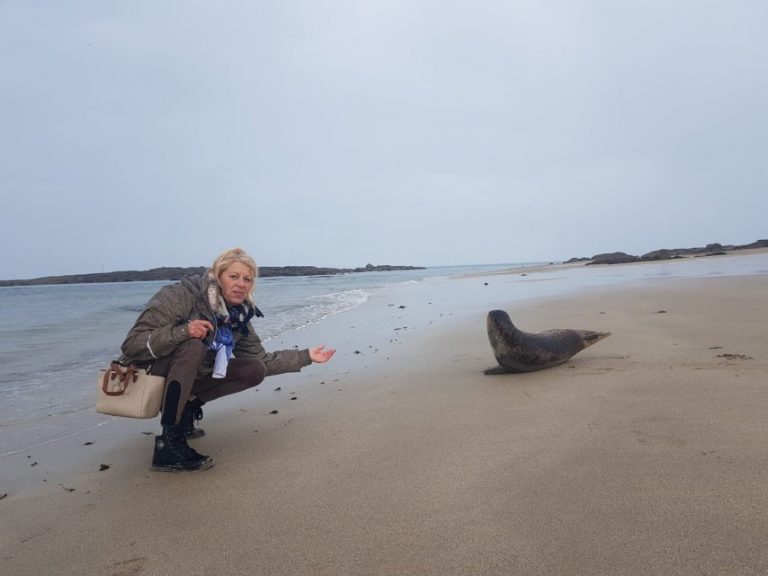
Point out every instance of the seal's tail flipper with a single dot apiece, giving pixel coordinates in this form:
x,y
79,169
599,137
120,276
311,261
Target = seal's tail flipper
x,y
591,337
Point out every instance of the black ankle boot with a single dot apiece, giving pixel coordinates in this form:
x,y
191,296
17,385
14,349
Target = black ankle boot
x,y
173,454
192,411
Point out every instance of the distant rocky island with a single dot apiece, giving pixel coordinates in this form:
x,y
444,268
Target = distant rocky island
x,y
714,249
178,273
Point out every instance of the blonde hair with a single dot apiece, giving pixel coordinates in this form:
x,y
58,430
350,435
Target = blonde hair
x,y
229,257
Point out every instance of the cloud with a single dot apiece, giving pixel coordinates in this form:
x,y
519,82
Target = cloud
x,y
339,133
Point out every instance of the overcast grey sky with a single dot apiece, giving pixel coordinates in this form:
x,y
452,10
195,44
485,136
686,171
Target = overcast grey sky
x,y
137,134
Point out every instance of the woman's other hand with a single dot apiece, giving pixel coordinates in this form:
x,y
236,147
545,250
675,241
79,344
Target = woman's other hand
x,y
320,354
198,328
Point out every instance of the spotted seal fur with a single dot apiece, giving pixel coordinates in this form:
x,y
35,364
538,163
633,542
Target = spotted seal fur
x,y
518,351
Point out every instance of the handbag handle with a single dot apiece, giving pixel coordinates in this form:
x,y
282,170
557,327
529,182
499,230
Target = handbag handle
x,y
124,375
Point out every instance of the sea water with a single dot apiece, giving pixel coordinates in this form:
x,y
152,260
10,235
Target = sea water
x,y
54,339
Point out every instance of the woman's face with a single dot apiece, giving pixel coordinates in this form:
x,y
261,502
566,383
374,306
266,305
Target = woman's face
x,y
236,283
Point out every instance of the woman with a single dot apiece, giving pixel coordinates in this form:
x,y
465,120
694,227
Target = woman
x,y
197,333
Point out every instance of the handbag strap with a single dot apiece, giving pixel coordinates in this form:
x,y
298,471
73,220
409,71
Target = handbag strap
x,y
124,374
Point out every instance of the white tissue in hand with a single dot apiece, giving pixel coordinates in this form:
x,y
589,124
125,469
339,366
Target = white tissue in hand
x,y
220,366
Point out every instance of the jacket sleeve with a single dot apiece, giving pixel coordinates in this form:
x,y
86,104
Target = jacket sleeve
x,y
160,328
280,362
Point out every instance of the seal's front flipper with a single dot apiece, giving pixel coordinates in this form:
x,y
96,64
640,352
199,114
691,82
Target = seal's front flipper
x,y
496,370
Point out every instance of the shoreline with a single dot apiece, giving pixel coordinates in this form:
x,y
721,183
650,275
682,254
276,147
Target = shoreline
x,y
172,274
491,295
175,273
643,454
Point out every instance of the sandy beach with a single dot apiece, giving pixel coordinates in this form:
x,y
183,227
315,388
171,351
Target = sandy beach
x,y
643,455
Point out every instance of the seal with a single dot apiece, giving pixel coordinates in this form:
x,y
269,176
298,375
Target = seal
x,y
518,351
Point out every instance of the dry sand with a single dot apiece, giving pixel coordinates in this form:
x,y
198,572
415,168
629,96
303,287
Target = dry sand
x,y
645,454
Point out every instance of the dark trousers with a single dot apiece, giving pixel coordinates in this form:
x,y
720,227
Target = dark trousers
x,y
180,370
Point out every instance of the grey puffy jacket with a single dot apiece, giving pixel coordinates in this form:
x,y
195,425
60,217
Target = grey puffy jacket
x,y
162,327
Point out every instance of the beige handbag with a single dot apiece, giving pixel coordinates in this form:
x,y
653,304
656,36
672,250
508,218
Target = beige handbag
x,y
129,391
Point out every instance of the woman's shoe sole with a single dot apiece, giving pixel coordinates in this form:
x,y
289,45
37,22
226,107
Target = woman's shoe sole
x,y
181,468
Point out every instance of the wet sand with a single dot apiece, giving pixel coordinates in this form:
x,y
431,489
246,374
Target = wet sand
x,y
644,454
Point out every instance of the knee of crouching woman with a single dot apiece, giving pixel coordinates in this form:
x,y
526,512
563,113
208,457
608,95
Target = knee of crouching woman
x,y
193,348
254,372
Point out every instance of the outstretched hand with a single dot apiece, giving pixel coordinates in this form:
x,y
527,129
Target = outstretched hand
x,y
319,354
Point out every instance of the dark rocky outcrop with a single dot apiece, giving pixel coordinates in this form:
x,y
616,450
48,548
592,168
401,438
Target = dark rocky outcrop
x,y
755,244
172,274
612,258
662,254
714,249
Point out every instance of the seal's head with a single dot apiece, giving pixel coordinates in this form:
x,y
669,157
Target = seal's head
x,y
500,327
498,318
